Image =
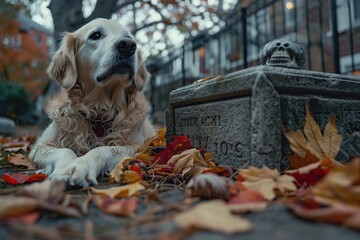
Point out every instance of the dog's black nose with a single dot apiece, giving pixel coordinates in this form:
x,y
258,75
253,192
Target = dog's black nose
x,y
126,47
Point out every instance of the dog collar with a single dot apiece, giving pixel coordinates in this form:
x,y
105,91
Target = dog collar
x,y
99,129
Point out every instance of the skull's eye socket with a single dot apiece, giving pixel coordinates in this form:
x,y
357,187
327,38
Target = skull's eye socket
x,y
278,44
95,36
286,45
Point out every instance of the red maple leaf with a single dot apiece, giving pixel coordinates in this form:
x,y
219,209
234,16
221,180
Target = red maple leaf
x,y
21,178
312,174
180,144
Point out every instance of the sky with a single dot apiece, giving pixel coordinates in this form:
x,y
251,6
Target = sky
x,y
43,17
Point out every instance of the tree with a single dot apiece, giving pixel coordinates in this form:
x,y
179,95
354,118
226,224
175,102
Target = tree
x,y
158,25
21,59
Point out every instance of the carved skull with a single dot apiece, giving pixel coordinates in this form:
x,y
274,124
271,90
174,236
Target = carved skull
x,y
283,53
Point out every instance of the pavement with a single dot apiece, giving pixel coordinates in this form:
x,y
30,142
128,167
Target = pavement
x,y
153,220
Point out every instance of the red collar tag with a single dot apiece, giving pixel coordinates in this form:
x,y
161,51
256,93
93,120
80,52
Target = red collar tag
x,y
99,129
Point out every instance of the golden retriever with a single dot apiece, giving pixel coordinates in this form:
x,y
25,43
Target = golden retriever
x,y
100,116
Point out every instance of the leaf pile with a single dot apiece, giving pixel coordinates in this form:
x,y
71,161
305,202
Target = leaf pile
x,y
316,187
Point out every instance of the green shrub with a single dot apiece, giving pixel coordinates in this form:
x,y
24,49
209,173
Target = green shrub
x,y
14,100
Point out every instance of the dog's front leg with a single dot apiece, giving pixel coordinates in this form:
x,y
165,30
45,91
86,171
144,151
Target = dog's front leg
x,y
84,170
47,157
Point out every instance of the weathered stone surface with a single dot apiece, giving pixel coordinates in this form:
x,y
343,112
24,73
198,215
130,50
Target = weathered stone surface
x,y
7,126
238,118
283,53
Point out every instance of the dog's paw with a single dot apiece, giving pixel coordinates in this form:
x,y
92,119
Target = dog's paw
x,y
78,173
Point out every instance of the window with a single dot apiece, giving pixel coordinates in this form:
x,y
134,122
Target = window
x,y
343,15
356,8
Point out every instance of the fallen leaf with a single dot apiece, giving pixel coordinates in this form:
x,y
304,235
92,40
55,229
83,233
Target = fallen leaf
x,y
340,185
51,191
21,178
214,216
14,206
247,201
209,186
320,145
45,196
124,207
225,171
267,181
28,218
247,196
120,192
19,159
180,144
16,146
312,173
297,162
184,161
343,214
115,174
130,176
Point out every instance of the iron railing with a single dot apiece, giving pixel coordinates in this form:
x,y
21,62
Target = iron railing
x,y
329,31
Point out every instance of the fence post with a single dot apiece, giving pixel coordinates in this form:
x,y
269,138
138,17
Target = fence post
x,y
335,35
244,35
183,81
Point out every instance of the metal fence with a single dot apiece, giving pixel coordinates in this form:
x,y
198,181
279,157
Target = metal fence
x,y
329,31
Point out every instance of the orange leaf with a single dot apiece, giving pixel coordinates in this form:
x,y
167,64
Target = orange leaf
x,y
130,177
298,162
124,207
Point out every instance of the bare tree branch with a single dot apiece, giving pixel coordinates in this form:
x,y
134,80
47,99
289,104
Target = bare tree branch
x,y
103,8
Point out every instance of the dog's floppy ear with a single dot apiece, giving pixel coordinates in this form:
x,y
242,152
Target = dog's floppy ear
x,y
63,64
142,75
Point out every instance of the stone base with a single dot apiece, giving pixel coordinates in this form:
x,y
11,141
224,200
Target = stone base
x,y
238,117
7,126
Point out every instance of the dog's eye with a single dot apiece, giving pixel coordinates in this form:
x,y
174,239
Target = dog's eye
x,y
95,36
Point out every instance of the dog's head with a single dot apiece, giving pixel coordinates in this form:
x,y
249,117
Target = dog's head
x,y
102,52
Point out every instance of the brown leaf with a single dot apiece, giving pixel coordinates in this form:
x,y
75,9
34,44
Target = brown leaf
x,y
298,162
340,185
210,186
119,192
51,191
267,181
214,216
338,213
326,145
15,206
189,158
20,159
124,207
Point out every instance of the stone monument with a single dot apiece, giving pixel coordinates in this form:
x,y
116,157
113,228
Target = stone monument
x,y
238,117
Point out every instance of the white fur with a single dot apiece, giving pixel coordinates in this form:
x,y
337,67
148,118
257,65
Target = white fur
x,y
69,149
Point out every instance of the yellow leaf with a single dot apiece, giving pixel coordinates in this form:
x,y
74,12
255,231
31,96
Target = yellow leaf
x,y
214,216
267,181
332,140
119,192
130,176
115,174
297,142
313,135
